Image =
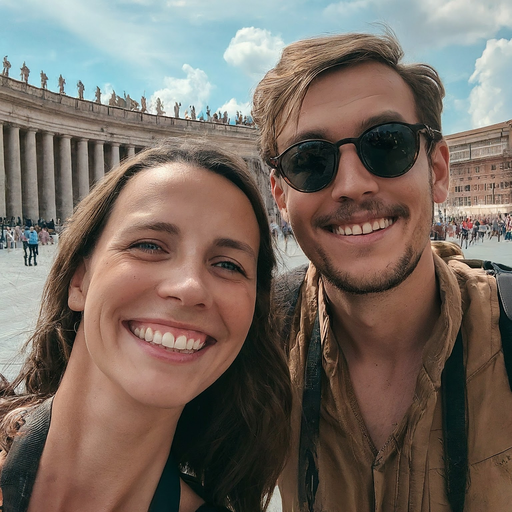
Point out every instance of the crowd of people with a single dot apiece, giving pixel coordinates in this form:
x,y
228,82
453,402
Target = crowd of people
x,y
470,230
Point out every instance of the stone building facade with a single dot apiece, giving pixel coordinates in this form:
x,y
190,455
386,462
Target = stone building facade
x,y
480,172
53,147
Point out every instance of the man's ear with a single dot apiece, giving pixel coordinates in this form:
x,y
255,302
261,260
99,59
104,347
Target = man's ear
x,y
77,291
440,171
279,189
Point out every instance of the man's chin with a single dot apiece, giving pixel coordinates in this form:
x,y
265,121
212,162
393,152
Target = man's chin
x,y
367,282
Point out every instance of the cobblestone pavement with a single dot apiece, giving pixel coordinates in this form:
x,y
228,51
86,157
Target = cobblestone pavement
x,y
21,288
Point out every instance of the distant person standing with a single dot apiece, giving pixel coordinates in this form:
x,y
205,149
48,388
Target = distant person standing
x,y
33,246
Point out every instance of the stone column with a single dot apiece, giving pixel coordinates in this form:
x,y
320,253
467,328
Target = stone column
x,y
114,155
99,161
82,164
13,173
48,207
65,184
131,151
29,177
3,212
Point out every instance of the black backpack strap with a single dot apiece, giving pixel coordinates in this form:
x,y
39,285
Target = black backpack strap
x,y
503,275
310,422
287,291
453,393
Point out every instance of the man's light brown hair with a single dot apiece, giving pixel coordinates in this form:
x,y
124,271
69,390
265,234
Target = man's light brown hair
x,y
278,97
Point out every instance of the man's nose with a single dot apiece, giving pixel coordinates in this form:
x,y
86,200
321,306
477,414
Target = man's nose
x,y
352,180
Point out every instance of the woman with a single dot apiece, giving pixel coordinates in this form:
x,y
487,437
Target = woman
x,y
153,350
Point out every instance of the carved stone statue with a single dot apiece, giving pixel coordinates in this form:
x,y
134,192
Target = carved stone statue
x,y
134,105
208,114
186,116
97,95
225,117
160,107
24,72
44,80
81,88
62,83
193,112
7,66
143,106
112,100
177,109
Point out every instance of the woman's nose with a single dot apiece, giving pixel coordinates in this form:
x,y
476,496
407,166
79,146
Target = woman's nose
x,y
188,284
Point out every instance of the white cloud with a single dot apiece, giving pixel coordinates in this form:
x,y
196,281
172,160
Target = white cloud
x,y
194,90
436,23
491,98
254,51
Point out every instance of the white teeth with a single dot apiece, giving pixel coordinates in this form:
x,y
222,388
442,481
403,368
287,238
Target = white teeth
x,y
168,340
364,229
367,228
180,343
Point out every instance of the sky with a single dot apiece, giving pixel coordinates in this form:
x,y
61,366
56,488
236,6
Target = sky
x,y
214,52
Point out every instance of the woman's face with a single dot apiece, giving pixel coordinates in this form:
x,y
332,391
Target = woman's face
x,y
168,294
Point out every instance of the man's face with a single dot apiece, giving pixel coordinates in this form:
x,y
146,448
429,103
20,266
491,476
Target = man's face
x,y
364,233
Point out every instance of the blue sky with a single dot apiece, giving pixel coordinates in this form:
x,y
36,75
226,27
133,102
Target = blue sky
x,y
213,52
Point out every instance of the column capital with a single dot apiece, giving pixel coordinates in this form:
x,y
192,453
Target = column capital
x,y
64,136
115,144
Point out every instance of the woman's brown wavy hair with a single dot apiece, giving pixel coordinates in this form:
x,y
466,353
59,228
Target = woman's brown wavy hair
x,y
234,436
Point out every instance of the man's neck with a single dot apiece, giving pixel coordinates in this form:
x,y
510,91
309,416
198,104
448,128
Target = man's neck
x,y
391,325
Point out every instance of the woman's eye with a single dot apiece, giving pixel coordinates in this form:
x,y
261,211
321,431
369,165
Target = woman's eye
x,y
147,247
229,265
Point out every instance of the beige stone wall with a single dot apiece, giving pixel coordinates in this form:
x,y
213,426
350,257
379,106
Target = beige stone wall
x,y
54,147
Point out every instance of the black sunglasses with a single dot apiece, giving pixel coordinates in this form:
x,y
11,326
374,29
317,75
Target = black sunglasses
x,y
387,150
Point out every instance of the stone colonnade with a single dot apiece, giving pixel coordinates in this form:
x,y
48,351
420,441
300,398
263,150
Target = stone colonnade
x,y
43,175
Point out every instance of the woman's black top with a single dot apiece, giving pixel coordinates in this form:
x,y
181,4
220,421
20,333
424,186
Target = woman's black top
x,y
20,468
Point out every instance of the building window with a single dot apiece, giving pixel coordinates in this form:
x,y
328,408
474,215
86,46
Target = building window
x,y
493,167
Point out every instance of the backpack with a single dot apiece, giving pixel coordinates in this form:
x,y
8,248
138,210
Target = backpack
x,y
453,388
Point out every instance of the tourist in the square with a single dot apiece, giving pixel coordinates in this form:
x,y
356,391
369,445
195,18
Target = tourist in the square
x,y
154,380
44,236
402,400
33,246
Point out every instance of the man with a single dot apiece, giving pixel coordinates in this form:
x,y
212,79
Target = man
x,y
354,140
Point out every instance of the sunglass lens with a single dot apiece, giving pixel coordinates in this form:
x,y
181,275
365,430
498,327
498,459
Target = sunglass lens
x,y
389,150
309,166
